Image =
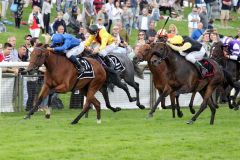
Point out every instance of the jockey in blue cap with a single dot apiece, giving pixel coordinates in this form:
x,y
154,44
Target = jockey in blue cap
x,y
66,43
231,48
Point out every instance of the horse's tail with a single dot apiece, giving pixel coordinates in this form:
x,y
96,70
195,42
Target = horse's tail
x,y
137,70
229,80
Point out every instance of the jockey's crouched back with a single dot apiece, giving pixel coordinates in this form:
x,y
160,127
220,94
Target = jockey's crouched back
x,y
66,43
191,49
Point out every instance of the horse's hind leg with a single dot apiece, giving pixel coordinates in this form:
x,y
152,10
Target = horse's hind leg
x,y
135,85
43,93
86,107
97,106
106,98
172,98
213,110
179,112
191,103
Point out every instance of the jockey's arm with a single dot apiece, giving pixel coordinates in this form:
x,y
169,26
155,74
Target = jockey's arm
x,y
88,42
65,46
103,43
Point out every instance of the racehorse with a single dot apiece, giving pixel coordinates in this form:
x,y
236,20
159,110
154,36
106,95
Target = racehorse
x,y
127,75
231,66
183,77
61,77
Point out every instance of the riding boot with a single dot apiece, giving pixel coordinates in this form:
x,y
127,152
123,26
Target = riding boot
x,y
109,64
74,60
202,70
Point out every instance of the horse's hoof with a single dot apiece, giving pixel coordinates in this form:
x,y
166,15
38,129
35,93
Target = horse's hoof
x,y
99,121
180,114
192,111
236,108
47,116
117,109
133,99
150,115
74,122
190,122
216,106
141,106
26,117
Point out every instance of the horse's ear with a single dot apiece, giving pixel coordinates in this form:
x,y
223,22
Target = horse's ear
x,y
39,45
46,45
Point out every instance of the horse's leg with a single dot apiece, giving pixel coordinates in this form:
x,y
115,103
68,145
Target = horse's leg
x,y
206,97
97,106
106,98
86,107
191,103
135,85
123,86
172,98
163,104
179,112
43,93
48,110
213,110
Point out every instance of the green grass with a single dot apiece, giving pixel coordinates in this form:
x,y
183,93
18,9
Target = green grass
x,y
126,135
181,25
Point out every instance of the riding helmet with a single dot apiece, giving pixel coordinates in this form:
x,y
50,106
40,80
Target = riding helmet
x,y
57,39
177,39
92,29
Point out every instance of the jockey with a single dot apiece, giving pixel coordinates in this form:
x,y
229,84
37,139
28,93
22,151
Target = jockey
x,y
191,49
70,45
106,41
231,48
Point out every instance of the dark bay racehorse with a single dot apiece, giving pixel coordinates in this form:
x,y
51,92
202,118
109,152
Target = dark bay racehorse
x,y
229,65
183,77
60,77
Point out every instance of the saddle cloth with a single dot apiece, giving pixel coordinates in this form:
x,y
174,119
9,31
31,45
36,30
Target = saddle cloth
x,y
117,63
88,72
205,63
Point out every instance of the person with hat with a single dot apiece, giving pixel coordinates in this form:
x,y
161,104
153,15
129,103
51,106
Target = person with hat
x,y
231,48
106,41
66,43
193,51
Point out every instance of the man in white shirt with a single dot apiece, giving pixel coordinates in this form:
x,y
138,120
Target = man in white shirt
x,y
193,19
109,8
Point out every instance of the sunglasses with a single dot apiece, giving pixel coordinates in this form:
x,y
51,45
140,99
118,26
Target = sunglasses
x,y
28,39
141,34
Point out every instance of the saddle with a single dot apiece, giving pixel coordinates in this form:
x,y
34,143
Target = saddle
x,y
88,72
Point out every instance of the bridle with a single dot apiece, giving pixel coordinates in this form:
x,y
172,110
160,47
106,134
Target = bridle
x,y
40,57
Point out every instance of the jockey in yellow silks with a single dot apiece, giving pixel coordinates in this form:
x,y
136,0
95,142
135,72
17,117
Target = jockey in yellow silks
x,y
106,41
191,49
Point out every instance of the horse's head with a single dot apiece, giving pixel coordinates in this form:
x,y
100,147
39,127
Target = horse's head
x,y
159,52
142,53
38,58
216,51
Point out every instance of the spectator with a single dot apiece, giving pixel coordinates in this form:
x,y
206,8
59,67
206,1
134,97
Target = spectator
x,y
142,4
100,22
193,19
198,32
88,12
144,20
226,7
22,54
18,13
116,35
141,38
79,17
60,29
74,10
172,31
35,21
126,19
134,11
102,13
59,5
210,24
155,12
34,41
109,9
116,12
27,44
151,32
209,7
14,52
66,16
98,5
46,11
214,37
68,5
205,41
36,3
5,56
166,5
59,21
123,33
80,34
204,17
4,8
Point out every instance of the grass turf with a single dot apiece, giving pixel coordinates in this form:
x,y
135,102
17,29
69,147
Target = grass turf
x,y
125,135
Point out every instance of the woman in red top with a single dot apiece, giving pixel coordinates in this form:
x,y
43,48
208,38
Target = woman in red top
x,y
35,22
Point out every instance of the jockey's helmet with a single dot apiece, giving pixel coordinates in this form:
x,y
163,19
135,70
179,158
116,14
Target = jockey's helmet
x,y
225,41
177,39
92,29
57,39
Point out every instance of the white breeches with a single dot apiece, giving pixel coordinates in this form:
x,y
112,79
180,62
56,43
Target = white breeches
x,y
196,55
108,49
75,50
35,32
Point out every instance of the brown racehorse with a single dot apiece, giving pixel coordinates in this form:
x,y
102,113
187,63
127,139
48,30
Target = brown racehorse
x,y
183,77
60,77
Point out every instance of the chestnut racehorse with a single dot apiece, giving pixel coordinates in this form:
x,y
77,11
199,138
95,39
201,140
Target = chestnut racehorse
x,y
61,76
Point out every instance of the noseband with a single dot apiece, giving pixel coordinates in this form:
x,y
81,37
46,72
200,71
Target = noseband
x,y
41,56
